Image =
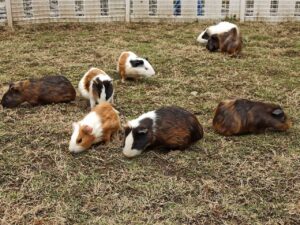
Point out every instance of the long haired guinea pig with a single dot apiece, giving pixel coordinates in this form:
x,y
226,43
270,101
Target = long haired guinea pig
x,y
47,90
215,29
228,42
96,86
168,127
97,126
241,116
132,66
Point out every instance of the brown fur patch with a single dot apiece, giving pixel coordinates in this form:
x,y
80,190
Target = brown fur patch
x,y
242,116
91,74
230,42
84,139
122,65
109,118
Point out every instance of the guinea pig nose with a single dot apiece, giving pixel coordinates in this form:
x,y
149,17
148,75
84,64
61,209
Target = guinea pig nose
x,y
146,68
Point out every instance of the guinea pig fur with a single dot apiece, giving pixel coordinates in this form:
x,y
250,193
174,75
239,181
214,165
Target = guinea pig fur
x,y
97,126
241,116
47,90
228,42
168,127
132,66
215,29
96,86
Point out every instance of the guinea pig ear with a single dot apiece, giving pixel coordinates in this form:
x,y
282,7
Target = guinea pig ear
x,y
278,112
87,129
136,63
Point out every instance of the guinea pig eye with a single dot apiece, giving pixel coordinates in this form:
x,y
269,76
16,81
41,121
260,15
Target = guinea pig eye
x,y
79,141
146,68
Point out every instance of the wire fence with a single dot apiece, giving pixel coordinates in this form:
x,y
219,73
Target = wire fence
x,y
38,11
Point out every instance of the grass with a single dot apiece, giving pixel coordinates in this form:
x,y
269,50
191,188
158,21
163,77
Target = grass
x,y
251,179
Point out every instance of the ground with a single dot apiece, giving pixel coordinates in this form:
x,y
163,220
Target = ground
x,y
250,179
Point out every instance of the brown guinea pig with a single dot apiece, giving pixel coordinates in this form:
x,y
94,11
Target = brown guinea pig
x,y
228,42
241,116
47,90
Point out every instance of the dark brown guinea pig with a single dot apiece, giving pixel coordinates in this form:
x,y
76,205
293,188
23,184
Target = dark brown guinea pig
x,y
47,90
241,116
228,42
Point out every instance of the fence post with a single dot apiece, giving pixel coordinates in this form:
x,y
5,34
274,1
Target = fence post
x,y
242,10
127,10
8,13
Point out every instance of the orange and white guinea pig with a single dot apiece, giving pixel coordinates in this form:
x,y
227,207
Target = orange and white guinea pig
x,y
132,66
96,86
97,126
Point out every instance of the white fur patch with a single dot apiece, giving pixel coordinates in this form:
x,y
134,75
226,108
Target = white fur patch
x,y
136,122
88,94
73,146
93,120
127,150
145,71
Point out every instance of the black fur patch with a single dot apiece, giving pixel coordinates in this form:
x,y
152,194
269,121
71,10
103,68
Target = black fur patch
x,y
108,88
205,36
213,43
142,135
136,63
97,86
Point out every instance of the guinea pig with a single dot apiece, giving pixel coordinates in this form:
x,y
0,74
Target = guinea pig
x,y
168,127
96,86
215,29
241,116
97,126
228,42
132,66
47,90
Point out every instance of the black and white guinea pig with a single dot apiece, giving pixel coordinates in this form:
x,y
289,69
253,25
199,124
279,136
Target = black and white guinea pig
x,y
96,86
132,66
215,29
168,127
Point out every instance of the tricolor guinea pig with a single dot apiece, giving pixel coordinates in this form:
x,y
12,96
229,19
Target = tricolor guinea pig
x,y
215,29
168,127
228,42
97,126
132,66
96,86
47,90
241,116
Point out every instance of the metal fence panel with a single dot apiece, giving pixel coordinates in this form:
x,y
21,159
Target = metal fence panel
x,y
38,11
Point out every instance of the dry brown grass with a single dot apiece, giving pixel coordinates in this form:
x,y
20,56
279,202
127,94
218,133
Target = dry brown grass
x,y
251,179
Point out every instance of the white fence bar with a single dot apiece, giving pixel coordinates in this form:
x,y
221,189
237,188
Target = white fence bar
x,y
165,8
189,9
92,9
127,10
66,9
140,8
41,9
234,8
213,9
9,13
242,10
117,8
